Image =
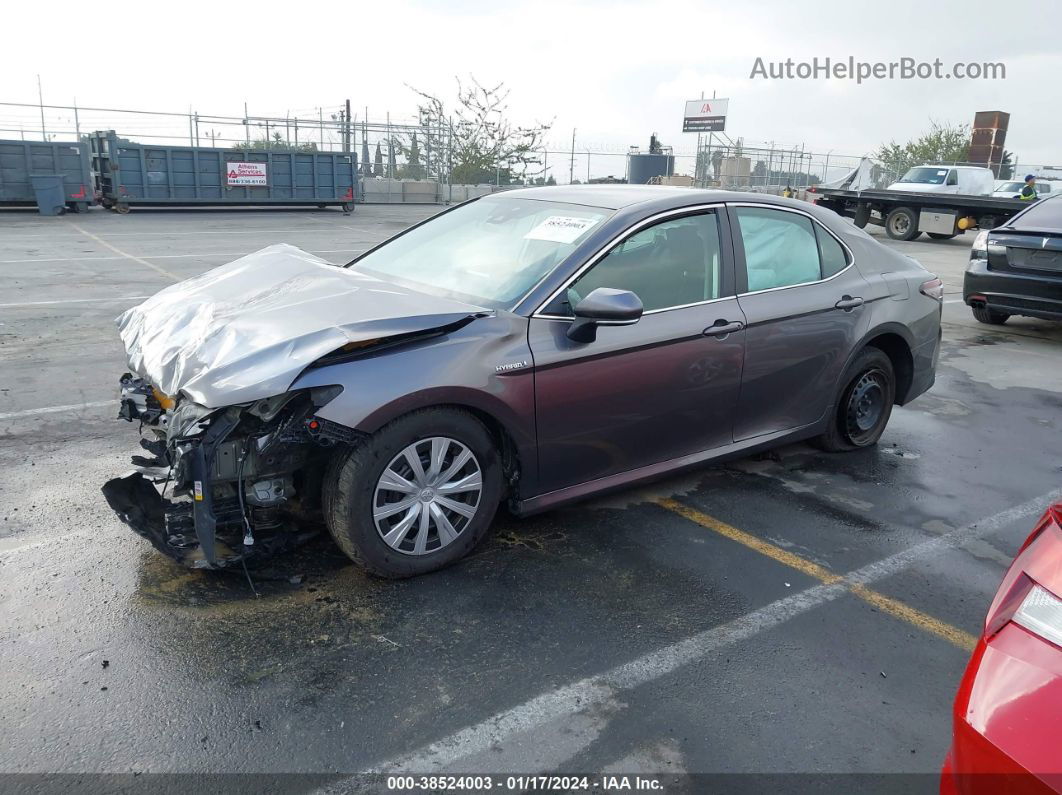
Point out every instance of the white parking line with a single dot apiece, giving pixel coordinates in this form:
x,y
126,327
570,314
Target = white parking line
x,y
596,690
77,301
117,250
14,415
171,256
177,232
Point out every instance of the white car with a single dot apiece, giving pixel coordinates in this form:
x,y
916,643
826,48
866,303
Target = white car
x,y
1011,189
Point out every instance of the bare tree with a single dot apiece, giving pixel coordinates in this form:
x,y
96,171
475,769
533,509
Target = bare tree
x,y
476,142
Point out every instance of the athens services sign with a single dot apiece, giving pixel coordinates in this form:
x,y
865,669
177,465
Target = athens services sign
x,y
705,115
246,174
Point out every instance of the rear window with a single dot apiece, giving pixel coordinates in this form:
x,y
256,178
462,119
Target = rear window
x,y
1042,215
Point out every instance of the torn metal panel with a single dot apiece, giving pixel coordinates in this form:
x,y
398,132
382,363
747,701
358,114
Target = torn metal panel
x,y
245,330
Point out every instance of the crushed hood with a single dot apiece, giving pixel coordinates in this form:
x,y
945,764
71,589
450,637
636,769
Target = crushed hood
x,y
246,330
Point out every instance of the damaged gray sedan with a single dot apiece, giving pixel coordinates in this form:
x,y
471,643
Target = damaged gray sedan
x,y
537,346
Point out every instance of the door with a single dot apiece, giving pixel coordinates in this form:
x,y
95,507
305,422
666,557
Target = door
x,y
803,301
658,389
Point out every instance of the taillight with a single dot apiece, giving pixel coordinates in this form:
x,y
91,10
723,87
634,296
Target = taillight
x,y
1040,612
980,246
934,289
1002,612
1028,596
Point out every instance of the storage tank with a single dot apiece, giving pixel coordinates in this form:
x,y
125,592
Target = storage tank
x,y
643,166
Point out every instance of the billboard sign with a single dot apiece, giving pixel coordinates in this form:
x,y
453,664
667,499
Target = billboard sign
x,y
705,115
246,175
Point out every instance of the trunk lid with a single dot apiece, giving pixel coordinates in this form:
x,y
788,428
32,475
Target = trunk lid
x,y
1026,251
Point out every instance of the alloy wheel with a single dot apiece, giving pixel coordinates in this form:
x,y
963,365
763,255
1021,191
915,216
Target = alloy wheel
x,y
427,495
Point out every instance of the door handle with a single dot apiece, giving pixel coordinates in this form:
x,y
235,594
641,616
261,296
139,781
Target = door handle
x,y
722,328
848,303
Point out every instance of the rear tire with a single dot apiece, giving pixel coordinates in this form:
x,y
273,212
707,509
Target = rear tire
x,y
982,314
865,404
356,498
902,224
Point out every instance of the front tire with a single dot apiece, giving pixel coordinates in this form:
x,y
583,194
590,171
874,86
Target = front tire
x,y
982,314
417,495
865,405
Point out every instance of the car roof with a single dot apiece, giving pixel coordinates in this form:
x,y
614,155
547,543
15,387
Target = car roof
x,y
615,197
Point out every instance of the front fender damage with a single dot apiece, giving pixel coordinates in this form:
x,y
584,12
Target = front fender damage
x,y
243,482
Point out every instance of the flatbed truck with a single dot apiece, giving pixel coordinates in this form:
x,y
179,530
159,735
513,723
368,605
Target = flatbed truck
x,y
905,216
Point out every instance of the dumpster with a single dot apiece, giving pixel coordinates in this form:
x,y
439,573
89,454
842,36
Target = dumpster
x,y
48,190
68,160
130,174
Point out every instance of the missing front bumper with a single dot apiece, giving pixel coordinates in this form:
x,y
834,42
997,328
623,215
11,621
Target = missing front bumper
x,y
171,527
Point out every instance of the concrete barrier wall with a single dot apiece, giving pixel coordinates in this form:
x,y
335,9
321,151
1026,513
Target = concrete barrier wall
x,y
419,191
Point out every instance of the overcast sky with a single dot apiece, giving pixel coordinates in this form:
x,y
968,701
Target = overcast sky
x,y
616,71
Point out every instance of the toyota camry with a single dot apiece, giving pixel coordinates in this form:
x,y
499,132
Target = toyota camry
x,y
534,347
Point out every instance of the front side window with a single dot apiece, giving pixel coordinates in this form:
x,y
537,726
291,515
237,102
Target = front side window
x,y
490,251
953,177
669,264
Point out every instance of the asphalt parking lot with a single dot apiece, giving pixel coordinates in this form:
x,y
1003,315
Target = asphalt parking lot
x,y
794,612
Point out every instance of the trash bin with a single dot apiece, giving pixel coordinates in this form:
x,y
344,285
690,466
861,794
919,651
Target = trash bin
x,y
49,192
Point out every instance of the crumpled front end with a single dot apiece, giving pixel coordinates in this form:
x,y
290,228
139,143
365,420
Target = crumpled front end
x,y
223,486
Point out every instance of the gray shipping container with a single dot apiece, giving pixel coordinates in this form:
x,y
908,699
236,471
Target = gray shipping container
x,y
21,159
129,173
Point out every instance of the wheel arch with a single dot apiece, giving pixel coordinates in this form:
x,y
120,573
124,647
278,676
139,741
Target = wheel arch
x,y
515,444
895,342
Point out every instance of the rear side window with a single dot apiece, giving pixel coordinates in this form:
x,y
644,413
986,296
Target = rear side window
x,y
780,248
1045,214
831,253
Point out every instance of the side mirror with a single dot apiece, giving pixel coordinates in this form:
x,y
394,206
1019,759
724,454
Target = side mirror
x,y
604,307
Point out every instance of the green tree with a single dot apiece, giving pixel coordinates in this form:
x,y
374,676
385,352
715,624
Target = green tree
x,y
273,143
942,143
717,162
475,140
1006,165
413,169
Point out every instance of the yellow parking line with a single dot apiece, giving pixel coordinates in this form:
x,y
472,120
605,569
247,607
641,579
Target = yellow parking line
x,y
886,604
813,570
924,621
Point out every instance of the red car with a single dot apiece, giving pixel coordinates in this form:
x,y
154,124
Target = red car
x,y
1008,712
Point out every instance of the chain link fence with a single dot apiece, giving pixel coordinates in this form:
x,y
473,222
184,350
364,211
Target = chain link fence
x,y
397,153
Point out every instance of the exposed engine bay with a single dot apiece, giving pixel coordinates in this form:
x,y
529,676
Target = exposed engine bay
x,y
236,482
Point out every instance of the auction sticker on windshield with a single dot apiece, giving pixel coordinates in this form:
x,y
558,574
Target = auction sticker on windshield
x,y
560,229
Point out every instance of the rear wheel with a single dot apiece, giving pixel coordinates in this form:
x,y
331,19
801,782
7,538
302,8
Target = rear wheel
x,y
990,316
416,496
865,405
902,224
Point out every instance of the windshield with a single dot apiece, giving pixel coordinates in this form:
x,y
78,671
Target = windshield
x,y
490,251
1009,186
926,175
